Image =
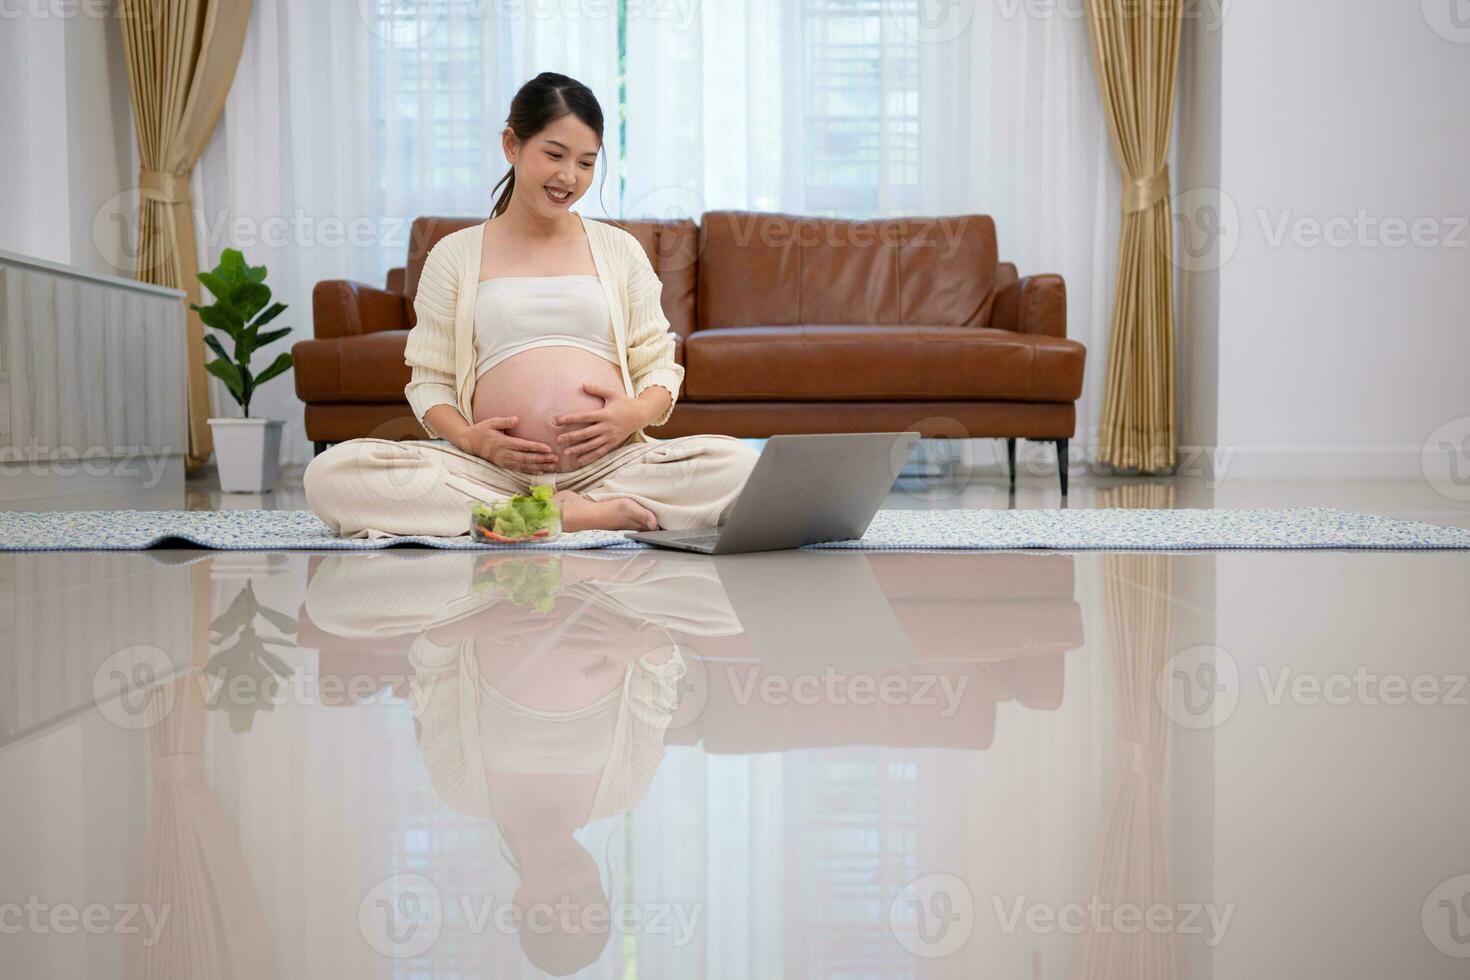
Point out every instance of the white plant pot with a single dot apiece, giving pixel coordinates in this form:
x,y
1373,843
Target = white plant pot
x,y
247,452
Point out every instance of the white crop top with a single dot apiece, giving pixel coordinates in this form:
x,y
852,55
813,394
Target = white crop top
x,y
517,313
518,739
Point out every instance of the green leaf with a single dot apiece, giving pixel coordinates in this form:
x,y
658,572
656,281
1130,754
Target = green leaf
x,y
241,610
280,365
222,316
250,298
216,285
245,345
216,346
231,266
230,375
268,315
271,337
286,624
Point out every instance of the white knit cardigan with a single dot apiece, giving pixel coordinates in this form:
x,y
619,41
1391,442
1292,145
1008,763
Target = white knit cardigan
x,y
440,349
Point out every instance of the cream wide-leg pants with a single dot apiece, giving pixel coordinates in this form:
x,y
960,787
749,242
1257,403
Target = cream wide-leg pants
x,y
377,488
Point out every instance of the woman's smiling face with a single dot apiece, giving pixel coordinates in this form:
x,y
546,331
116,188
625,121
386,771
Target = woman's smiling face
x,y
562,157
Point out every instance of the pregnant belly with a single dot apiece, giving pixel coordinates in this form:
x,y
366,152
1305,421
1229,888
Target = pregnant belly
x,y
540,383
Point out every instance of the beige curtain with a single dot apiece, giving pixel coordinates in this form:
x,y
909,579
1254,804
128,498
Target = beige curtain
x,y
181,57
1135,49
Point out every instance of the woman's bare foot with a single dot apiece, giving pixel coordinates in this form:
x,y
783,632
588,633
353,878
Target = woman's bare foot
x,y
615,514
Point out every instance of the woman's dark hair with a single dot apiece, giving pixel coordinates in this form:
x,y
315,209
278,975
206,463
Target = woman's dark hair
x,y
538,104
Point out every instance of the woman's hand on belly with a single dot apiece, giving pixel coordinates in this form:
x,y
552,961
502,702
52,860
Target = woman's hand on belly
x,y
543,383
595,433
489,440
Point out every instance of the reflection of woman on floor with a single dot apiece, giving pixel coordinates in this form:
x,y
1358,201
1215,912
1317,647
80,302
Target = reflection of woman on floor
x,y
545,725
539,354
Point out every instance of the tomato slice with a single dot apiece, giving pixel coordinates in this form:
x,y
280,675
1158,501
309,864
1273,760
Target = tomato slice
x,y
489,535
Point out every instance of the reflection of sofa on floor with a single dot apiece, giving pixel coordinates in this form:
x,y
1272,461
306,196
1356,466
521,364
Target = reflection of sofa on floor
x,y
1003,625
994,628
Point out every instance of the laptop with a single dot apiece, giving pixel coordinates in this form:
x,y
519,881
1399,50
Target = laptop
x,y
804,489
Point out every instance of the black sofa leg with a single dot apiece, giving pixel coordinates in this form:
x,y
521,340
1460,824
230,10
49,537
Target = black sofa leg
x,y
320,446
1061,461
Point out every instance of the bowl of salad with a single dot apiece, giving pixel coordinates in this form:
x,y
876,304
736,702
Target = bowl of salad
x,y
523,518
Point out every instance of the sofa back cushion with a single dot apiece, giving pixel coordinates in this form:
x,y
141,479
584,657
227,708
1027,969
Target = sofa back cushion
x,y
671,246
771,269
422,237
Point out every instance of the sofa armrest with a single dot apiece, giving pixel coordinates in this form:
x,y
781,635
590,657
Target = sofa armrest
x,y
340,308
1035,304
397,280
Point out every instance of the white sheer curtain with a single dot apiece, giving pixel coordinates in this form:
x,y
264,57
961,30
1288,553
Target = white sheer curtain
x,y
886,107
349,119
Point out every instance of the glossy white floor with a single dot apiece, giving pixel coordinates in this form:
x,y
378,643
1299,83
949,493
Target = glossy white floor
x,y
1234,764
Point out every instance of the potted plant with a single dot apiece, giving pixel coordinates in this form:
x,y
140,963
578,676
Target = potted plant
x,y
248,449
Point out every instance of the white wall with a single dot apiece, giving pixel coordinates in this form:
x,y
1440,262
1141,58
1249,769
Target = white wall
x,y
1332,360
69,149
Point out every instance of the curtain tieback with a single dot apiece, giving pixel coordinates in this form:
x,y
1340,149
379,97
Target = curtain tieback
x,y
1142,758
164,187
1144,193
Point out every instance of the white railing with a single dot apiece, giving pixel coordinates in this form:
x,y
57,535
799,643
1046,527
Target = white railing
x,y
92,380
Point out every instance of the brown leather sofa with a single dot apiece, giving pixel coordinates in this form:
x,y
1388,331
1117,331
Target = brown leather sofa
x,y
785,324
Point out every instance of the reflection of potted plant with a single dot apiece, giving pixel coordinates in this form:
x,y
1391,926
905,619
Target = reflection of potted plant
x,y
246,677
248,450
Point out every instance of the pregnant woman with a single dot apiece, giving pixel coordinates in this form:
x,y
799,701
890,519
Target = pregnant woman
x,y
539,355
